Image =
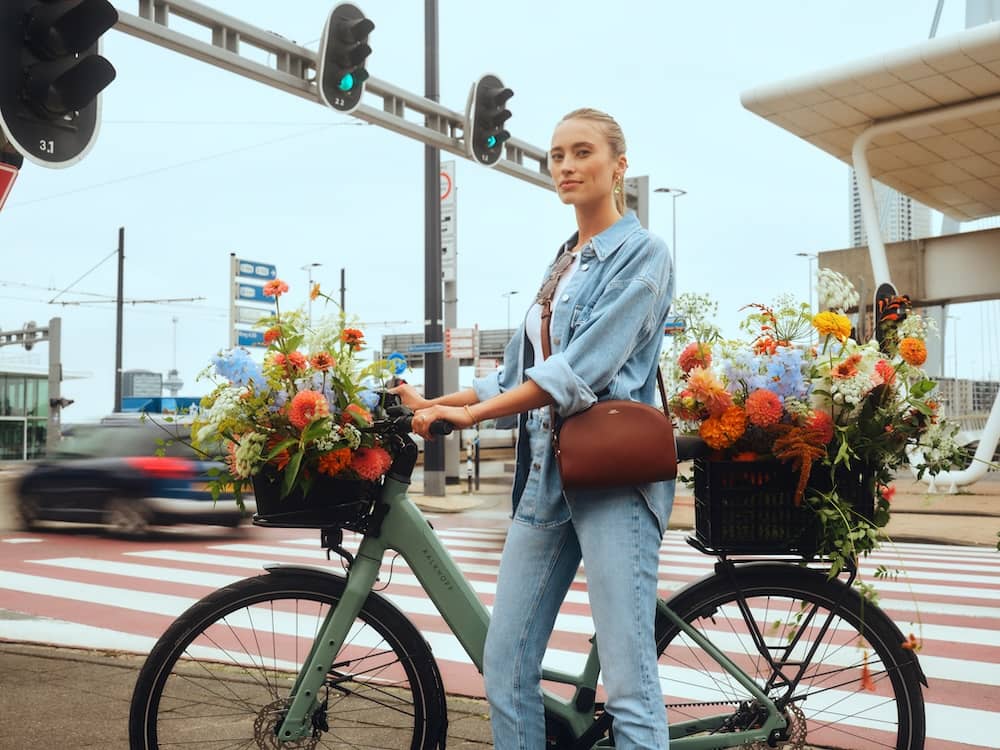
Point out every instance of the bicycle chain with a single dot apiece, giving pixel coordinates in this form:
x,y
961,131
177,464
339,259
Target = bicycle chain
x,y
796,732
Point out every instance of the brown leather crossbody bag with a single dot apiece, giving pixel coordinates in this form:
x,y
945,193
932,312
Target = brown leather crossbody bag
x,y
613,443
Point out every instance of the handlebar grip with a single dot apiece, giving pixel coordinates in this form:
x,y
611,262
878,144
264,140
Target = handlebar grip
x,y
441,427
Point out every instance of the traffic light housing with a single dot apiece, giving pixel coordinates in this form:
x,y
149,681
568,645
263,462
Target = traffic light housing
x,y
51,76
342,54
485,116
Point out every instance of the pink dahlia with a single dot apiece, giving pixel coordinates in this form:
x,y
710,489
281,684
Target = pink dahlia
x,y
822,423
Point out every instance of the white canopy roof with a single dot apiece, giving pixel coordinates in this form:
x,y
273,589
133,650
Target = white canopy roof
x,y
953,165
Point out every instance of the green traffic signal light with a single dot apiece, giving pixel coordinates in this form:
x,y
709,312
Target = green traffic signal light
x,y
346,83
491,142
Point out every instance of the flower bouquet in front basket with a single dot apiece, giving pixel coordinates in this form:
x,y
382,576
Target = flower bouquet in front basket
x,y
298,420
800,415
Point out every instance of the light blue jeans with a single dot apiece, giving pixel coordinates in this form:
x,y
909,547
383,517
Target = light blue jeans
x,y
619,540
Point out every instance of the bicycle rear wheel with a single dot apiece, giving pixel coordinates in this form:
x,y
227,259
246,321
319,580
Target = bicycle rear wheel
x,y
221,675
831,661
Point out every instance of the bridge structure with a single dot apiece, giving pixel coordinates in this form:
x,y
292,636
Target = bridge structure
x,y
924,120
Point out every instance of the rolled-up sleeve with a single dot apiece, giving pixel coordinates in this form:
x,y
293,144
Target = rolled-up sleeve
x,y
502,380
622,320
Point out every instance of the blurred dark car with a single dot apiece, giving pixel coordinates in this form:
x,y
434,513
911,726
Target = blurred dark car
x,y
109,474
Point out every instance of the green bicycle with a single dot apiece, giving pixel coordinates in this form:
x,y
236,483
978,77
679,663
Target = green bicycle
x,y
761,653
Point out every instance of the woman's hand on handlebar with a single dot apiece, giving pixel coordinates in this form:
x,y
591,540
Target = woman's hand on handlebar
x,y
410,396
423,418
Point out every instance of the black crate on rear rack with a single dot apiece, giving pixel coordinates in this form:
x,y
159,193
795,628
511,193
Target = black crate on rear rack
x,y
748,507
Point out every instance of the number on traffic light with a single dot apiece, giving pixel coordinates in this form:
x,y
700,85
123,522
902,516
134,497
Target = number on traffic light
x,y
485,116
342,54
51,76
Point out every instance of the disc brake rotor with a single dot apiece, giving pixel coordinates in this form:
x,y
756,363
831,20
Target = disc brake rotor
x,y
265,728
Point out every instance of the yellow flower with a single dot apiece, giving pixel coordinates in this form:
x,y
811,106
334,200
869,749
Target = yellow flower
x,y
913,351
832,324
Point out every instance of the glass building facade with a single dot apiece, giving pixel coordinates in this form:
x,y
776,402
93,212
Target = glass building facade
x,y
24,413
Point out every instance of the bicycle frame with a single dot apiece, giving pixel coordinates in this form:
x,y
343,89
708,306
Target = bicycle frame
x,y
406,531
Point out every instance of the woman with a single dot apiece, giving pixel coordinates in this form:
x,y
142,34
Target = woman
x,y
613,288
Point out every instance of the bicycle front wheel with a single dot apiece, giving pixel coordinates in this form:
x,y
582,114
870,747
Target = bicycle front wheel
x,y
221,676
832,662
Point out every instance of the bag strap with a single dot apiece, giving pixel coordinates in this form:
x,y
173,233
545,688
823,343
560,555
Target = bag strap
x,y
547,350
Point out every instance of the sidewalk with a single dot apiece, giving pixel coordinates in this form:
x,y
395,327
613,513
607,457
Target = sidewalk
x,y
75,698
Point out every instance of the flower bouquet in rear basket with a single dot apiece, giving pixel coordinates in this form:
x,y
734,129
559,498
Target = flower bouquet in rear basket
x,y
806,426
296,427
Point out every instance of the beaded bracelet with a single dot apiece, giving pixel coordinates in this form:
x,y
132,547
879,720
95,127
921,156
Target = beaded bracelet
x,y
468,411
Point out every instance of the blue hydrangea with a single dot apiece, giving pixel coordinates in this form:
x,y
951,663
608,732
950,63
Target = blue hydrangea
x,y
237,366
369,399
280,399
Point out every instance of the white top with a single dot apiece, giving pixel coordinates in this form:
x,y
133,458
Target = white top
x,y
533,322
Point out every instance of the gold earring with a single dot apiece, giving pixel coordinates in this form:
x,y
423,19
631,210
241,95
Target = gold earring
x,y
618,187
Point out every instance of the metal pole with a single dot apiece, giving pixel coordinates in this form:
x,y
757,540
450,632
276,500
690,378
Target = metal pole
x,y
118,322
53,431
434,479
343,290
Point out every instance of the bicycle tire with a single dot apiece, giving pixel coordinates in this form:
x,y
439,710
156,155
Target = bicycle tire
x,y
221,674
860,689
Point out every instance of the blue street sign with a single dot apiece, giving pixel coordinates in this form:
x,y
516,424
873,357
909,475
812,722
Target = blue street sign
x,y
431,347
252,293
254,270
674,325
249,338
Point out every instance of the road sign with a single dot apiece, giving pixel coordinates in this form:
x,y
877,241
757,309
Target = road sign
x,y
249,338
432,347
251,314
449,243
460,343
8,173
674,325
252,293
253,270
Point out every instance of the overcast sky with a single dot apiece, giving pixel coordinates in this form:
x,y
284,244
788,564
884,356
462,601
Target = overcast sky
x,y
196,163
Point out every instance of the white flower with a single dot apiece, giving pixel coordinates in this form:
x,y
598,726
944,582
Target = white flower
x,y
331,439
835,291
249,454
225,406
352,435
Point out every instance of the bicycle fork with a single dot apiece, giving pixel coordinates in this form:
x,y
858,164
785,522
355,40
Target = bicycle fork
x,y
361,578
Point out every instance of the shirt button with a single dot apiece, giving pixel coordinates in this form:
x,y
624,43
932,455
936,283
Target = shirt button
x,y
584,266
565,298
556,340
536,466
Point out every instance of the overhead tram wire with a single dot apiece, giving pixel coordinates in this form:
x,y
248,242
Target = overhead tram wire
x,y
179,165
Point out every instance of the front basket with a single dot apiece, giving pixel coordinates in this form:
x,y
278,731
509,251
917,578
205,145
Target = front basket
x,y
748,507
340,503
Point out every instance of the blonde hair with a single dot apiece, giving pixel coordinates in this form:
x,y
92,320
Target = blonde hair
x,y
616,140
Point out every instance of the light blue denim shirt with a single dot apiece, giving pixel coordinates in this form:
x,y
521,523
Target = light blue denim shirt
x,y
607,332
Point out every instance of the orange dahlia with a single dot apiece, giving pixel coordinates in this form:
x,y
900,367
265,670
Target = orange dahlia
x,y
306,407
272,334
357,414
334,462
887,372
913,351
321,361
275,288
763,408
708,389
694,355
725,429
371,463
353,338
848,368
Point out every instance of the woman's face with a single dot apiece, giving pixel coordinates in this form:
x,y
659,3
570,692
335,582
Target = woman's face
x,y
581,163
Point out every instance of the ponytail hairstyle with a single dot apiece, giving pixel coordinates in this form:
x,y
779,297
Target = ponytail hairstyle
x,y
616,140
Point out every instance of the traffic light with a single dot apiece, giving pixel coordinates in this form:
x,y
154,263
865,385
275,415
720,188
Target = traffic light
x,y
51,75
485,116
342,54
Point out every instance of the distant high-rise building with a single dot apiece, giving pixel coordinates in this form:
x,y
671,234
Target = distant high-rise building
x,y
900,217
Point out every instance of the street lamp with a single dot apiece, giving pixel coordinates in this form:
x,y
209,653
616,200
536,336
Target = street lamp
x,y
508,295
812,280
674,194
308,268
